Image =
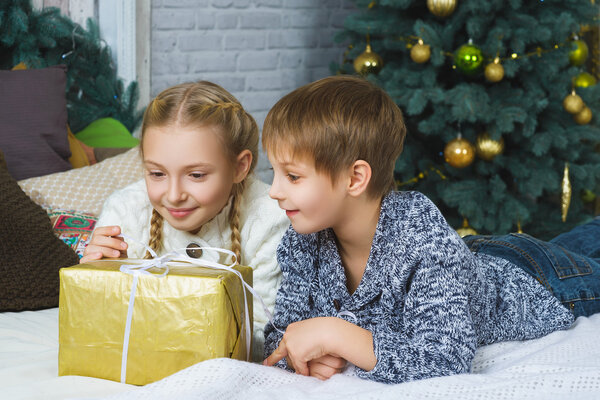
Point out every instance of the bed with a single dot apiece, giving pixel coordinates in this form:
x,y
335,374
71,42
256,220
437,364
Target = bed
x,y
562,365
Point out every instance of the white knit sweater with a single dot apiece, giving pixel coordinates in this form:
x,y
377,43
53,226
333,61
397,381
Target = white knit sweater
x,y
262,224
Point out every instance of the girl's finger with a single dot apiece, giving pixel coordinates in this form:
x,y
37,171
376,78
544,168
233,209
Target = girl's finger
x,y
112,230
107,252
90,257
115,243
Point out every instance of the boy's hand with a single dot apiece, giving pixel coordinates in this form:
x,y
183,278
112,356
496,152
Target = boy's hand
x,y
325,367
105,244
304,341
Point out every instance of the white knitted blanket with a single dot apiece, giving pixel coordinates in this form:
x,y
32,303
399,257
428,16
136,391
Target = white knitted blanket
x,y
562,365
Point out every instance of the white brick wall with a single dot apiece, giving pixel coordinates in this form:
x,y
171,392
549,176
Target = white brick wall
x,y
259,50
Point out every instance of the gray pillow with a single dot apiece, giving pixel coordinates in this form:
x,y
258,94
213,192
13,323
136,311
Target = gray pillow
x,y
30,253
33,121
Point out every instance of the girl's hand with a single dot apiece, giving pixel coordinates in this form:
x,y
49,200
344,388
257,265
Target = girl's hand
x,y
105,244
325,367
304,341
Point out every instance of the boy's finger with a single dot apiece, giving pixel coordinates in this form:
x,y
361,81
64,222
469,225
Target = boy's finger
x,y
321,370
301,368
279,354
331,361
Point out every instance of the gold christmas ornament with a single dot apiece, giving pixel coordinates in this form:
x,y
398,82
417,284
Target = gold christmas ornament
x,y
573,103
519,230
368,62
420,52
584,79
466,230
584,116
494,72
565,198
441,8
488,148
459,153
579,54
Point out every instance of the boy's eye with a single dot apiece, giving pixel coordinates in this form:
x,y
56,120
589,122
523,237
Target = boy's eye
x,y
292,177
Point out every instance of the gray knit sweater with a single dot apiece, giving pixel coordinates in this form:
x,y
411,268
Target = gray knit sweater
x,y
428,301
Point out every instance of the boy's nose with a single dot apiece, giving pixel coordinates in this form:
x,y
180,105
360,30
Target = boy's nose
x,y
274,191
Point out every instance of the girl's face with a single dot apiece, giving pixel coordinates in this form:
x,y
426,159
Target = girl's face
x,y
188,175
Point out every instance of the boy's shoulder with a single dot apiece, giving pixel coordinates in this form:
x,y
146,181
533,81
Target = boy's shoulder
x,y
411,217
407,206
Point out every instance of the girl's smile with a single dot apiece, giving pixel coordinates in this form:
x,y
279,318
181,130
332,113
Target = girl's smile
x,y
181,212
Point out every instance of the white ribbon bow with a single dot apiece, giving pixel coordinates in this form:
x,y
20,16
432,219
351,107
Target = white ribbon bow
x,y
174,258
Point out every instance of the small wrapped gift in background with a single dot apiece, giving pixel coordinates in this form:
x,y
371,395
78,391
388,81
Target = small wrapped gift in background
x,y
178,319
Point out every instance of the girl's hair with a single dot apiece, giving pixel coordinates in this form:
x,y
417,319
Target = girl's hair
x,y
201,104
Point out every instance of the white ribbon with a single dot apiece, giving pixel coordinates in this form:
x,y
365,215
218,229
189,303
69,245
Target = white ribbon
x,y
178,257
350,314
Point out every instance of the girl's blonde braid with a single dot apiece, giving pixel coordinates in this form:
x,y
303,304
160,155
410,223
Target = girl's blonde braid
x,y
156,225
234,220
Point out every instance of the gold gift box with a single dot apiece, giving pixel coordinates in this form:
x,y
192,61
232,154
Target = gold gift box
x,y
190,315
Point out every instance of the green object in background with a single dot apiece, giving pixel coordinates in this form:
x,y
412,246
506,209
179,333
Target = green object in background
x,y
107,132
469,59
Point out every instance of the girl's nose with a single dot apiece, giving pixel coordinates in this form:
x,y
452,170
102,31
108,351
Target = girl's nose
x,y
176,193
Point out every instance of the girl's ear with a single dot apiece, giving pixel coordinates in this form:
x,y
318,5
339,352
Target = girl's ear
x,y
242,165
360,176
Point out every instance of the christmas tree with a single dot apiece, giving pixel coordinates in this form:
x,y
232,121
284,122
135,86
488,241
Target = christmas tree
x,y
498,103
40,38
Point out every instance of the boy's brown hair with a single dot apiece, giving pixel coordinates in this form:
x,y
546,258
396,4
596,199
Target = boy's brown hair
x,y
337,121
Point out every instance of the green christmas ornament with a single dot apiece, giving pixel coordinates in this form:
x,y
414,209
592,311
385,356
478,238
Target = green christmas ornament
x,y
587,196
468,59
584,79
579,54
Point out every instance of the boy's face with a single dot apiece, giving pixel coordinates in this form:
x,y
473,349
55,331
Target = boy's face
x,y
310,199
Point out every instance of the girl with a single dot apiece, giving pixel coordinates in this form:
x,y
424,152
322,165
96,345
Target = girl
x,y
199,147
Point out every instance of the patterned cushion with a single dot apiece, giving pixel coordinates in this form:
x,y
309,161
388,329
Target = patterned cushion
x,y
73,228
85,189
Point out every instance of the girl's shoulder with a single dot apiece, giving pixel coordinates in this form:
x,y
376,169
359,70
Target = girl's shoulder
x,y
258,205
128,203
136,189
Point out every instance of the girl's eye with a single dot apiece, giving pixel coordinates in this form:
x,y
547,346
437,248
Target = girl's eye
x,y
197,175
156,174
292,177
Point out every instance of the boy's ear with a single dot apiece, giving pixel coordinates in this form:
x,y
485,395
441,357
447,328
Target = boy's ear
x,y
360,176
242,165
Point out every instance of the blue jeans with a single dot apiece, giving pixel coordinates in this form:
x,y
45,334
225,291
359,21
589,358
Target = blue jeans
x,y
568,265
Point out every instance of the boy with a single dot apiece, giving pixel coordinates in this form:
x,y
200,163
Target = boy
x,y
374,277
